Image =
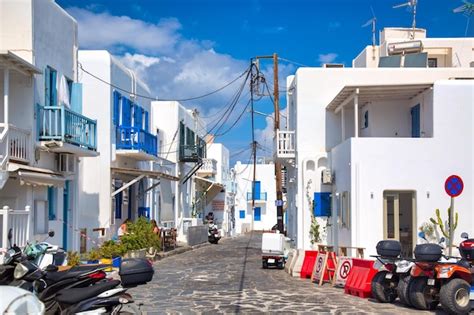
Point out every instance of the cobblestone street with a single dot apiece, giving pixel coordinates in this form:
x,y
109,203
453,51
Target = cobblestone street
x,y
228,278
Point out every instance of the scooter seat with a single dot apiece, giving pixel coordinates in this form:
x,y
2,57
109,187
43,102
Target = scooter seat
x,y
74,272
75,295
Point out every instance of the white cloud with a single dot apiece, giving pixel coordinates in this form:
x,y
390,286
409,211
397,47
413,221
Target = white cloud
x,y
113,32
327,58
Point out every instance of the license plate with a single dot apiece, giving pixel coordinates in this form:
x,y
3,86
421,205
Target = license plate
x,y
431,281
389,276
271,261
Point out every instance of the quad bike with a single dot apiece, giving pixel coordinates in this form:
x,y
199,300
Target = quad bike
x,y
393,270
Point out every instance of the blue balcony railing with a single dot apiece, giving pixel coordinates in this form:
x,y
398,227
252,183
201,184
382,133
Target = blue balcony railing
x,y
58,123
133,138
261,196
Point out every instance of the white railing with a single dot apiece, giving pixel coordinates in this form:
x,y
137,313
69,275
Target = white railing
x,y
209,166
15,144
285,144
19,222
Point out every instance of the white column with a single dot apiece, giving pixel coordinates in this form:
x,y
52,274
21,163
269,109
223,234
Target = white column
x,y
356,114
6,91
343,126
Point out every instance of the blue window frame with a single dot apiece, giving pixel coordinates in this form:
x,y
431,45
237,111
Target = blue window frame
x,y
52,203
257,214
415,121
50,87
242,214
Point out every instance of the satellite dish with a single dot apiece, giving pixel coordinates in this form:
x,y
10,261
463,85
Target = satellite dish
x,y
466,9
410,5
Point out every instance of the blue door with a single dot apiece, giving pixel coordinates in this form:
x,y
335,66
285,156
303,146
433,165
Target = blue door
x,y
256,192
322,204
415,121
257,214
65,213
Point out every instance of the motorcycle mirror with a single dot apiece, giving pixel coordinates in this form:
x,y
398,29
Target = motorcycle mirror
x,y
441,240
464,235
51,233
422,235
10,236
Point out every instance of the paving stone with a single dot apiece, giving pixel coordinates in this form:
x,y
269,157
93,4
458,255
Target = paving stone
x,y
228,278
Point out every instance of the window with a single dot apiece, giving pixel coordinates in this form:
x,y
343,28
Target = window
x,y
257,214
242,214
366,119
52,193
345,210
432,62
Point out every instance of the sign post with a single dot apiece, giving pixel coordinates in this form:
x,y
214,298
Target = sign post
x,y
453,187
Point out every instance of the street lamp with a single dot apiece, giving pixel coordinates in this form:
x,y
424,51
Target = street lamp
x,y
268,115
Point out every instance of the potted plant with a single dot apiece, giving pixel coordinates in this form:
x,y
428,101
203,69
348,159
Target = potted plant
x,y
111,253
93,256
140,238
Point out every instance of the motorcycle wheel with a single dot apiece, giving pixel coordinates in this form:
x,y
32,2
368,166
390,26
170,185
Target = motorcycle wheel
x,y
454,297
383,289
421,296
402,290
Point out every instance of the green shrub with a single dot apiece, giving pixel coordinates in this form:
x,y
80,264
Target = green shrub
x,y
140,235
73,259
94,254
110,249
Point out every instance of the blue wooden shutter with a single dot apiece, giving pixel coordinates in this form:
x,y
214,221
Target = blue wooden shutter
x,y
51,203
47,87
257,214
54,88
242,214
126,112
322,204
137,117
116,115
76,97
415,121
256,192
147,126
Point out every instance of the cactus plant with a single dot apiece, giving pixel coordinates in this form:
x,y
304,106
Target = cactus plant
x,y
444,227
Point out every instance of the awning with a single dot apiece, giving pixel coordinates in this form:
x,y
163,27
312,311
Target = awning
x,y
11,60
138,175
40,179
373,93
210,188
146,173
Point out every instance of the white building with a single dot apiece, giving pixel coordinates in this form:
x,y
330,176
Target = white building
x,y
125,180
43,128
388,136
182,134
219,195
263,216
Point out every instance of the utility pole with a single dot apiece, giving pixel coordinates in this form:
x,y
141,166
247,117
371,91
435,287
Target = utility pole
x,y
276,127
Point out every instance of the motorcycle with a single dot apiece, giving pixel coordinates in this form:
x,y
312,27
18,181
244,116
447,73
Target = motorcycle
x,y
10,259
393,272
457,280
213,234
19,301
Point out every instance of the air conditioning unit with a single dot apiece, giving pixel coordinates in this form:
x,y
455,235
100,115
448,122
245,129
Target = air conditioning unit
x,y
66,163
326,176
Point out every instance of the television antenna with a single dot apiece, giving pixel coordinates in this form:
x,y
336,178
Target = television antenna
x,y
372,21
466,9
411,4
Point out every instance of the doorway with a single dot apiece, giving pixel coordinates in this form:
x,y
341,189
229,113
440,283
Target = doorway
x,y
400,219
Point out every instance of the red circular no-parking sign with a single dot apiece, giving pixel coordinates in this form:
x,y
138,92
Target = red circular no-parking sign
x,y
454,185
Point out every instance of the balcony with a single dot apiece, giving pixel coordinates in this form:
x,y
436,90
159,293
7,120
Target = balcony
x,y
16,144
136,143
191,153
285,144
259,198
208,168
65,131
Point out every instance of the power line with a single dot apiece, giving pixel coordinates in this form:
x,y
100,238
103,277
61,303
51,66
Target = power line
x,y
158,99
293,62
235,122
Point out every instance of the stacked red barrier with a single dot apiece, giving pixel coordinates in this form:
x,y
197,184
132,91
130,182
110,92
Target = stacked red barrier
x,y
360,277
308,264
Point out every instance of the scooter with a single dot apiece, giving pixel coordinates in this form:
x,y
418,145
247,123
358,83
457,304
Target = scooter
x,y
393,271
457,280
213,234
19,301
10,259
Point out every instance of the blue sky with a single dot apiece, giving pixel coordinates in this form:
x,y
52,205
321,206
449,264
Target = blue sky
x,y
187,48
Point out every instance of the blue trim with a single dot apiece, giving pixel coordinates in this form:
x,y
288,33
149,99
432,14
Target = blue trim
x,y
415,121
118,203
76,97
242,214
51,203
65,213
257,214
133,138
322,204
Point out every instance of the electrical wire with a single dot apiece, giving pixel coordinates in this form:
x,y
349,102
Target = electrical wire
x,y
158,99
293,62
